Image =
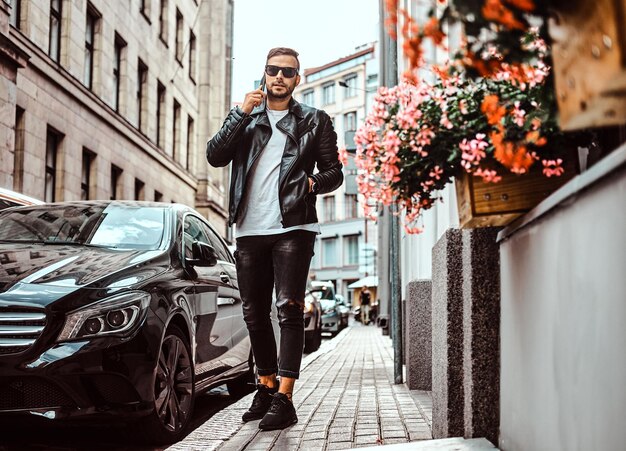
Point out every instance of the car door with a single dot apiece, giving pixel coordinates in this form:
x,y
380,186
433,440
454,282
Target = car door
x,y
212,321
230,302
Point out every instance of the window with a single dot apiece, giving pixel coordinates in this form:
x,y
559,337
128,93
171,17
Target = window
x,y
350,86
191,142
142,82
116,182
54,41
176,132
16,13
144,8
160,116
192,56
18,155
349,121
329,252
308,98
163,21
351,250
85,177
158,196
328,94
90,37
178,44
217,243
53,140
139,190
119,51
329,208
352,206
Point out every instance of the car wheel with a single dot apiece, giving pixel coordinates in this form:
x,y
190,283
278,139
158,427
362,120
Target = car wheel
x,y
173,391
244,384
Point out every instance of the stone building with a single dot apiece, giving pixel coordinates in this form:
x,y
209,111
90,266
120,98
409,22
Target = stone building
x,y
114,100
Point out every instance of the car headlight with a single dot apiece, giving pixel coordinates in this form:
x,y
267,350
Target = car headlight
x,y
329,311
113,315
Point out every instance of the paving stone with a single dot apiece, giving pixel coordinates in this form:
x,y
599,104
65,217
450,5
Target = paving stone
x,y
345,394
339,445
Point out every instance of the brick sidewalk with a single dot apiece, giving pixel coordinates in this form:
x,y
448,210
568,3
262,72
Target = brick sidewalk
x,y
345,398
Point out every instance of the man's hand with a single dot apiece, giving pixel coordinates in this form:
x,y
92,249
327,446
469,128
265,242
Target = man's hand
x,y
310,184
252,100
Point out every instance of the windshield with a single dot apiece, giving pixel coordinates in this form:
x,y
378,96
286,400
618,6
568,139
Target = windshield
x,y
323,293
113,225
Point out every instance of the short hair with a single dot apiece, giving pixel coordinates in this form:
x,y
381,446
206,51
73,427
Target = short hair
x,y
283,51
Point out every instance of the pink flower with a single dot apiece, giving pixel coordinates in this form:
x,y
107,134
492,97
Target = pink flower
x,y
552,167
488,175
518,114
473,151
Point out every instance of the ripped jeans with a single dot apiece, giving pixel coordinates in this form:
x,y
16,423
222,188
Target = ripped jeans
x,y
282,260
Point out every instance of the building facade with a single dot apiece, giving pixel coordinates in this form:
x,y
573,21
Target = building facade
x,y
346,249
115,100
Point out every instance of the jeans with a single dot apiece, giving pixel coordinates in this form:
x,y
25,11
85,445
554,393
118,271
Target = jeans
x,y
264,262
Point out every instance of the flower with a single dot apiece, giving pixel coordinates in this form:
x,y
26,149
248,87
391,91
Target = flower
x,y
420,135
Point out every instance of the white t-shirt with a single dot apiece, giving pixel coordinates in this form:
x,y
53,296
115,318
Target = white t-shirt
x,y
260,206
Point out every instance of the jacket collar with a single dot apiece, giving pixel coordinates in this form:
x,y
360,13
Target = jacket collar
x,y
294,108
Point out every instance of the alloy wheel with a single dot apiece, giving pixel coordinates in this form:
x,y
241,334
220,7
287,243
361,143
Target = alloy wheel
x,y
173,387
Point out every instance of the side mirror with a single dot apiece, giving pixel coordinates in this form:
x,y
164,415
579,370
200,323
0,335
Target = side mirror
x,y
203,254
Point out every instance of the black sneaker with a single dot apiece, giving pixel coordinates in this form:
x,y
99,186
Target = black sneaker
x,y
260,404
282,414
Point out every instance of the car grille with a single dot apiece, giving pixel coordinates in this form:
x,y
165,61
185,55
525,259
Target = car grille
x,y
19,329
31,393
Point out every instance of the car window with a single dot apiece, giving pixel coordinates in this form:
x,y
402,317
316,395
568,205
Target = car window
x,y
193,230
218,245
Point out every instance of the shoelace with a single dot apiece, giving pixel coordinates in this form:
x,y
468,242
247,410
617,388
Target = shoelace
x,y
277,403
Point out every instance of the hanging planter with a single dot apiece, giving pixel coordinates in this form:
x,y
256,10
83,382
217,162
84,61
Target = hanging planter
x,y
482,204
488,120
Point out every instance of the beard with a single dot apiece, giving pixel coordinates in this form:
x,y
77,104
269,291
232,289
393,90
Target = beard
x,y
272,94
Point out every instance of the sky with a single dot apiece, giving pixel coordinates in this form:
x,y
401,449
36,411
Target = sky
x,y
321,31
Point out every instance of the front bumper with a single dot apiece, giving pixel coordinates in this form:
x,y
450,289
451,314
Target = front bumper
x,y
98,378
331,322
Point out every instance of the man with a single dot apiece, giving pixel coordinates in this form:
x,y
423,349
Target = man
x,y
365,300
274,144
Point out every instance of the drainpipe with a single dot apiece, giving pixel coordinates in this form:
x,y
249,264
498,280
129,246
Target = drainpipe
x,y
389,72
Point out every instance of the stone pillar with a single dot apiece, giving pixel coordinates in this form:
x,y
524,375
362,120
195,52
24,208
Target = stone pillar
x,y
447,336
481,329
419,327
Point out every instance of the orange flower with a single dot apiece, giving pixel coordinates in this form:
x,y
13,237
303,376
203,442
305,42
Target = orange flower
x,y
524,5
492,109
392,20
535,138
433,31
485,67
495,11
514,157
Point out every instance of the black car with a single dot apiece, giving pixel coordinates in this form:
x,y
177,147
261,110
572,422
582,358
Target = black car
x,y
116,311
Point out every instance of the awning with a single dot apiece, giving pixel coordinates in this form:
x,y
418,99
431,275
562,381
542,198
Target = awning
x,y
369,281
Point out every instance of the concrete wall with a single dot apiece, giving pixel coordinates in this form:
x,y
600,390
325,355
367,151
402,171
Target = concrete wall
x,y
563,327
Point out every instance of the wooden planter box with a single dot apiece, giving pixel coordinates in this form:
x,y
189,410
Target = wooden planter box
x,y
589,58
483,204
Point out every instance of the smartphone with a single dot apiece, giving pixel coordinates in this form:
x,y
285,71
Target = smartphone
x,y
262,84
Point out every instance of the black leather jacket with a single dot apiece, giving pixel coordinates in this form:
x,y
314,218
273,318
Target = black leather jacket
x,y
311,140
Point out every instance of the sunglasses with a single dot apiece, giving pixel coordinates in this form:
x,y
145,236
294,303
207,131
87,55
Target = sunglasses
x,y
288,72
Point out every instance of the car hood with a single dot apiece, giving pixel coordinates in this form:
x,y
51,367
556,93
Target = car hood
x,y
75,267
